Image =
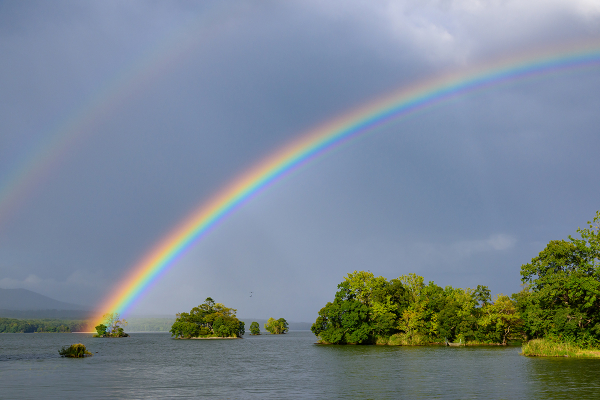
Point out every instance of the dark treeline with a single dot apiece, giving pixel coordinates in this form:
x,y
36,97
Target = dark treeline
x,y
560,301
10,325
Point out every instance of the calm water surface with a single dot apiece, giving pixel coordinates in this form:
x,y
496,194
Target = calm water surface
x,y
152,365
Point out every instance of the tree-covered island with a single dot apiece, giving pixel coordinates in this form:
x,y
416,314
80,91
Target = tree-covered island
x,y
407,311
112,326
277,326
254,328
560,304
208,320
557,313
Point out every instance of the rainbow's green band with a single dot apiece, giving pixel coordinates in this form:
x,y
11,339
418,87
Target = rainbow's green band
x,y
318,142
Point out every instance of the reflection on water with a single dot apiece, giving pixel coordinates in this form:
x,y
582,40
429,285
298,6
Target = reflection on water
x,y
150,365
560,378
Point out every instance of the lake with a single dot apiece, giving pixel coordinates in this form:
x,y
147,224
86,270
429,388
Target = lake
x,y
152,365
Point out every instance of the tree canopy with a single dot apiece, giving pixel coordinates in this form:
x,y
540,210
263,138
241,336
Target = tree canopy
x,y
560,302
369,309
277,326
208,320
561,297
254,328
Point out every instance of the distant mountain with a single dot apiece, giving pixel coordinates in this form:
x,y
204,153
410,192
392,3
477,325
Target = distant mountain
x,y
26,300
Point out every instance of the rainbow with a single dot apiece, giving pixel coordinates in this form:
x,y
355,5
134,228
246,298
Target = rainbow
x,y
322,139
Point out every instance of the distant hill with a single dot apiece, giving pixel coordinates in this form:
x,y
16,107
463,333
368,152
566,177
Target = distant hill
x,y
26,300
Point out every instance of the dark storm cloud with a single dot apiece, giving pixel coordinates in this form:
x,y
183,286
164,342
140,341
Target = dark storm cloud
x,y
462,193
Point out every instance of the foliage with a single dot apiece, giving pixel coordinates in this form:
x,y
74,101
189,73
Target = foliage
x,y
502,318
364,307
101,330
11,325
111,326
406,311
208,320
560,302
277,326
561,297
254,328
77,350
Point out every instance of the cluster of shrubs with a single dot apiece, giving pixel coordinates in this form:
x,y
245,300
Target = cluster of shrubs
x,y
77,350
273,326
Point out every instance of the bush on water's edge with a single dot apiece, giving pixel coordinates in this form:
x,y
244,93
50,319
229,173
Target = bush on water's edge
x,y
76,350
548,348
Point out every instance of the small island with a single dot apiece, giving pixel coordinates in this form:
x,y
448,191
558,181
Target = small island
x,y
555,314
76,350
254,328
111,326
208,321
277,326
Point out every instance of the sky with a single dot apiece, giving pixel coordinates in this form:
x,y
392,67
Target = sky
x,y
121,118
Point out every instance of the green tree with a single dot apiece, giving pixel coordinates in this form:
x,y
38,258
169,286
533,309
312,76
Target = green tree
x,y
456,320
277,326
101,330
254,328
208,320
368,309
419,322
185,329
562,294
502,316
346,319
343,321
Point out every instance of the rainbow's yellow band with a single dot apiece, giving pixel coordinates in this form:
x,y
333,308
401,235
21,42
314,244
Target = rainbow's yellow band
x,y
323,139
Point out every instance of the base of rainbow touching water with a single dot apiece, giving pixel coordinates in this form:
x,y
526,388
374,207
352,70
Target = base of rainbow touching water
x,y
323,139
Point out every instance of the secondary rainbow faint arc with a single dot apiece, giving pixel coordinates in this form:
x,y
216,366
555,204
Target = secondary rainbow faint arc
x,y
319,141
28,172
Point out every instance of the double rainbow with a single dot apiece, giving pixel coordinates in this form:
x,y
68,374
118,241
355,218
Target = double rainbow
x,y
322,139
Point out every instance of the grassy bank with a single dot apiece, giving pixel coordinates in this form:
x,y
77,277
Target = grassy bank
x,y
547,348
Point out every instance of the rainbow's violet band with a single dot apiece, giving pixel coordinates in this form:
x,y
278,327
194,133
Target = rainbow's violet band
x,y
319,141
